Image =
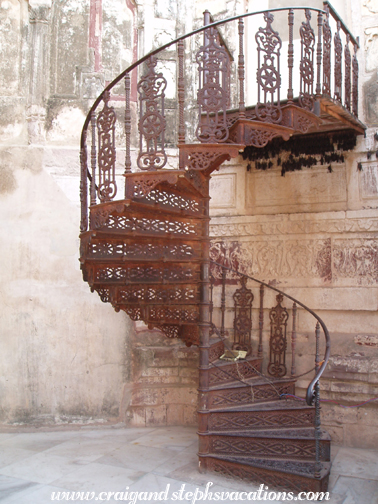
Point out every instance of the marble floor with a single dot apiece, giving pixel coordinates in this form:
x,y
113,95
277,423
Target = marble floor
x,y
34,465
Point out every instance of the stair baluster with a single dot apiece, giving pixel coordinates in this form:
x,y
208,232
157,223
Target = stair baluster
x,y
347,79
223,303
261,322
355,81
293,340
127,125
338,58
241,69
93,160
327,38
290,59
317,405
181,93
318,89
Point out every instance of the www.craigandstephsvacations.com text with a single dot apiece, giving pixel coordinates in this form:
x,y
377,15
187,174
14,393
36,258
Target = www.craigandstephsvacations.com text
x,y
192,497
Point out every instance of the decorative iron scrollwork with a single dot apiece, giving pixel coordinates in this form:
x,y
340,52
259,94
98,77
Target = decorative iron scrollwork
x,y
355,82
268,72
306,98
106,120
347,63
243,299
338,58
277,343
152,122
213,62
327,41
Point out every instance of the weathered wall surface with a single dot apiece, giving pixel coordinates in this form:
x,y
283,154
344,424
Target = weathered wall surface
x,y
64,354
164,380
313,234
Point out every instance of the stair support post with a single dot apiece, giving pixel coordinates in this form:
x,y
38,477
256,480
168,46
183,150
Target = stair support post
x,y
241,69
127,124
223,303
318,88
290,59
204,332
293,339
261,322
84,186
181,93
317,407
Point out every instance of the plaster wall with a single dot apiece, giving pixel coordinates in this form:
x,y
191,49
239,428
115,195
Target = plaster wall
x,y
313,234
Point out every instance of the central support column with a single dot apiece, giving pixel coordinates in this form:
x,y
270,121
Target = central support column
x,y
204,333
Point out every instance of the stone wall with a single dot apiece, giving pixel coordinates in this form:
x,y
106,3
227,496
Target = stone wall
x,y
164,380
64,354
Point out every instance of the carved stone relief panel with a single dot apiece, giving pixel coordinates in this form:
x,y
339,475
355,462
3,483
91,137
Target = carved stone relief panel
x,y
330,261
276,259
301,225
356,260
371,6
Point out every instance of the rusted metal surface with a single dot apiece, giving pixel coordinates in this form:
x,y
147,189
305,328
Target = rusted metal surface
x,y
243,299
278,342
268,107
327,43
148,254
338,63
307,34
151,88
213,63
106,120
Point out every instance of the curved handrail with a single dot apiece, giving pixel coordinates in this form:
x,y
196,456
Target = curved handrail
x,y
175,41
310,394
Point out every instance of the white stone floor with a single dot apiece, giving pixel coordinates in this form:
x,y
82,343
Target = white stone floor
x,y
35,464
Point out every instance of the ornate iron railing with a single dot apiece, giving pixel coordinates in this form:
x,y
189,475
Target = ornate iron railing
x,y
246,339
114,142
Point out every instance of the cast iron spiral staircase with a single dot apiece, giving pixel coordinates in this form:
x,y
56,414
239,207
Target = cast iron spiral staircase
x,y
148,253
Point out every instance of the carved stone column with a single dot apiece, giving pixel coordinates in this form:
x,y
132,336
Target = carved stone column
x,y
39,47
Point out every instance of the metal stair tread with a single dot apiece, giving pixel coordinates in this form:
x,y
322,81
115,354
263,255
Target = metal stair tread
x,y
302,468
276,405
221,362
182,184
253,381
135,207
304,433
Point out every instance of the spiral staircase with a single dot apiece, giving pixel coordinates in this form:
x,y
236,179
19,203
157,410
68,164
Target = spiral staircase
x,y
148,253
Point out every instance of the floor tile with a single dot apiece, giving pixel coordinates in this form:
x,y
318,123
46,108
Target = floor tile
x,y
99,478
175,438
40,468
36,442
83,449
356,462
165,487
356,487
9,455
178,460
14,487
139,457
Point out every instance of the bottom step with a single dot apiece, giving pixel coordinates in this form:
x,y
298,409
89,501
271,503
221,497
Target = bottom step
x,y
288,475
